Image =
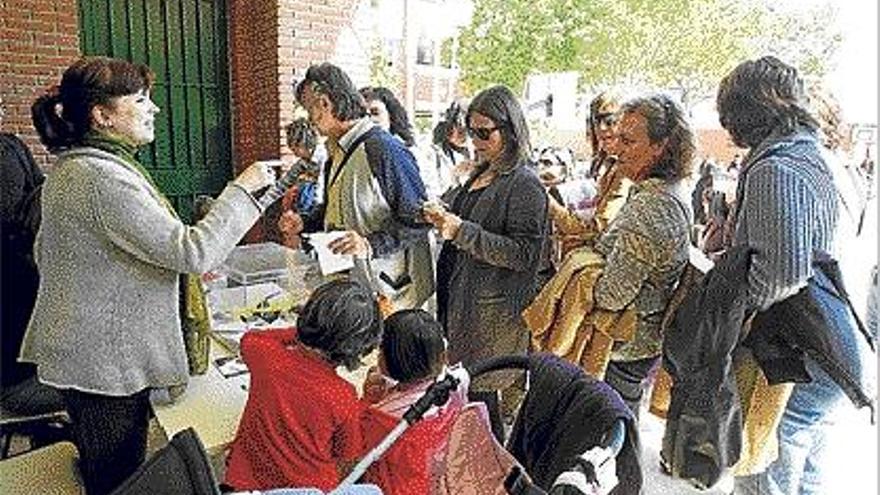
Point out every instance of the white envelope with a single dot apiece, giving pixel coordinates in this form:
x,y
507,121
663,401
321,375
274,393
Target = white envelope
x,y
328,262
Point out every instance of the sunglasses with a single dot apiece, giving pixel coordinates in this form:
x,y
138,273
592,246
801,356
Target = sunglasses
x,y
481,133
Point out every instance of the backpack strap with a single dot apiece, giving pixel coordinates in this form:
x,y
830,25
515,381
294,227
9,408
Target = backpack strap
x,y
350,151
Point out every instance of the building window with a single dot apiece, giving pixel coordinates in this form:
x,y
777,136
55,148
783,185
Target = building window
x,y
425,51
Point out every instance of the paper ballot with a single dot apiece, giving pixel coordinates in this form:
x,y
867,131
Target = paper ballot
x,y
328,262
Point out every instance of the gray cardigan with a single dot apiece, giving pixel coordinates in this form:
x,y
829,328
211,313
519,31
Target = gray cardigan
x,y
788,210
109,254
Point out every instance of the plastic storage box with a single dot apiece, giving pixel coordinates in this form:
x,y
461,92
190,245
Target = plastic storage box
x,y
256,263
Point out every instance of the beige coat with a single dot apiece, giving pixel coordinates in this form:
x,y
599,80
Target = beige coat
x,y
109,254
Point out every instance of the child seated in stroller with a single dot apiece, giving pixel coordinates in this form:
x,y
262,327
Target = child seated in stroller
x,y
412,357
301,423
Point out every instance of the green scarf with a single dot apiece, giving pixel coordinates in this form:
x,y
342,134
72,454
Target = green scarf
x,y
126,151
193,307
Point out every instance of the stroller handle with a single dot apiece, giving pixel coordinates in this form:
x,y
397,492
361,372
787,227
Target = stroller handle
x,y
613,440
514,361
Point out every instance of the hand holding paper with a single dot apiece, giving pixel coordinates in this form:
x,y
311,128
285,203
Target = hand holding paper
x,y
328,261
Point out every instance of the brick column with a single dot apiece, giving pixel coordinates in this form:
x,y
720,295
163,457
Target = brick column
x,y
38,40
253,48
272,43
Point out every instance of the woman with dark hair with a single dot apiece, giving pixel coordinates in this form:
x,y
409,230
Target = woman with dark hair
x,y
646,246
450,134
386,111
105,328
495,231
787,210
450,163
301,422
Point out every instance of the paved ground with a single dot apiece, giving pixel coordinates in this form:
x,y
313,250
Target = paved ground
x,y
852,470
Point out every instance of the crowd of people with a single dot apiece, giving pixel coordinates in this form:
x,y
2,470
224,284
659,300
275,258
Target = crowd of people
x,y
462,252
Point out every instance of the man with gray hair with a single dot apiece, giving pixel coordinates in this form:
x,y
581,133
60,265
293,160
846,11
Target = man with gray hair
x,y
372,191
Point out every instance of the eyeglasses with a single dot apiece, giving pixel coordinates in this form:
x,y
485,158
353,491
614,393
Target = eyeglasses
x,y
481,133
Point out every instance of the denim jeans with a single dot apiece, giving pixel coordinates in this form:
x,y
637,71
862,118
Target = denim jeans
x,y
808,416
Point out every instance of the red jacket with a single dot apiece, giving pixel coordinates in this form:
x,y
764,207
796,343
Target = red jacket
x,y
301,419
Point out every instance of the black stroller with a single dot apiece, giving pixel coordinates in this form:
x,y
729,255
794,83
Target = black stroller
x,y
568,427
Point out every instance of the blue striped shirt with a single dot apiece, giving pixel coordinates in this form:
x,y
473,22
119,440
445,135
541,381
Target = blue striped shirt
x,y
788,211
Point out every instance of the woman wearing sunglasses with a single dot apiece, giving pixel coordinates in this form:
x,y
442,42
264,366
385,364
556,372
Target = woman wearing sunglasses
x,y
571,229
495,230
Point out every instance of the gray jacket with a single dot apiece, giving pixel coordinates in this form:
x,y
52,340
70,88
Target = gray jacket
x,y
109,254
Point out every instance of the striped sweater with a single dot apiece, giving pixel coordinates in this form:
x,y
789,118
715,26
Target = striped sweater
x,y
787,209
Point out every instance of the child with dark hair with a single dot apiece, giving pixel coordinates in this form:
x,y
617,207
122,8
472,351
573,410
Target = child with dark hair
x,y
440,454
302,181
412,356
301,420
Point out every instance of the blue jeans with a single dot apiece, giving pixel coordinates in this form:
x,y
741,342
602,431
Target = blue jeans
x,y
808,416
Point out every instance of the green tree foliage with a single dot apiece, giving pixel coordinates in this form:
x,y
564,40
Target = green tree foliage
x,y
686,45
382,71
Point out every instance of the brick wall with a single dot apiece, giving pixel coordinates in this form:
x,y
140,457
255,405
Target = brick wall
x,y
315,31
38,40
272,43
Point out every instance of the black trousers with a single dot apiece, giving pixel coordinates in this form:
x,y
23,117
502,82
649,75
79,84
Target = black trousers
x,y
628,379
110,434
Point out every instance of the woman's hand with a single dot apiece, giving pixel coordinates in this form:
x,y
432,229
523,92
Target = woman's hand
x,y
290,223
257,176
447,224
